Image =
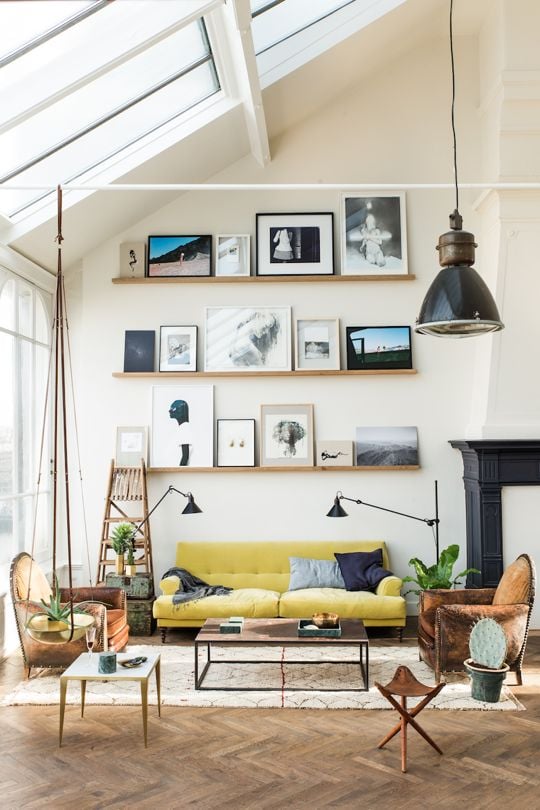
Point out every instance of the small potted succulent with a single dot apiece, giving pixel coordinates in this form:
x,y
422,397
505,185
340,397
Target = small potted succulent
x,y
486,666
121,541
52,624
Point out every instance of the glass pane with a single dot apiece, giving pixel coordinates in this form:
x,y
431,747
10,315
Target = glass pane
x,y
43,324
39,517
288,18
7,309
25,300
6,529
22,22
25,449
123,130
7,343
42,359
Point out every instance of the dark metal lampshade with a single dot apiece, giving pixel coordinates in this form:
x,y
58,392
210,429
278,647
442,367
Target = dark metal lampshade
x,y
191,507
337,510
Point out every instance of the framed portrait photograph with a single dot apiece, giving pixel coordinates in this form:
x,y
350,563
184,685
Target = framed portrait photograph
x,y
178,348
286,435
334,454
131,446
378,347
139,346
170,256
236,442
295,244
386,446
232,255
132,259
317,343
373,234
182,426
248,338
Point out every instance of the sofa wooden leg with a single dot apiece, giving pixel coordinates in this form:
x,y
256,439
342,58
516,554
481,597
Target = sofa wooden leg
x,y
164,634
519,679
400,634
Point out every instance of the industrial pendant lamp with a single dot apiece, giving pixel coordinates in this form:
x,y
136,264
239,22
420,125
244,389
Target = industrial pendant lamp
x,y
458,303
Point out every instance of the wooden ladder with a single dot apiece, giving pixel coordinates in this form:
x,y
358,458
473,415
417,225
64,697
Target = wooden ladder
x,y
127,485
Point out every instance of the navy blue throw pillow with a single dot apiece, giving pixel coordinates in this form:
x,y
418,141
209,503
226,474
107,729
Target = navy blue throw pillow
x,y
362,570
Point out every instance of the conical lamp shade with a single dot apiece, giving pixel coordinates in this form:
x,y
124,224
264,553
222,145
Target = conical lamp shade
x,y
337,510
191,507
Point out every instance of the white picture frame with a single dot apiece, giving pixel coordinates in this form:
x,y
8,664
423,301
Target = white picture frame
x,y
287,435
182,426
233,254
236,442
132,259
317,343
243,338
131,446
334,453
373,234
177,348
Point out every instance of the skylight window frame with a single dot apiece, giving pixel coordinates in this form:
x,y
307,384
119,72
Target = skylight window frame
x,y
296,31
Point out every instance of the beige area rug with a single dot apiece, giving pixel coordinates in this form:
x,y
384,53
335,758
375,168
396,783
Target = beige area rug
x,y
177,681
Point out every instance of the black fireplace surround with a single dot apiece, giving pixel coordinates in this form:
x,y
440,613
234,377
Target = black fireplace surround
x,y
488,466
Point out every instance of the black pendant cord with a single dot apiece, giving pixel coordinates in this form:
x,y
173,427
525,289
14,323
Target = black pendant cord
x,y
453,104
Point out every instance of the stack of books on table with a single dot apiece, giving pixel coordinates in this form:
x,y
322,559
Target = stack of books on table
x,y
233,625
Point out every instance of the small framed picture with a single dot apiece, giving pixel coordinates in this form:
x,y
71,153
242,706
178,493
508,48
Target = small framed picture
x,y
317,343
131,446
178,348
182,426
132,259
232,255
334,454
286,435
170,256
295,244
379,347
236,442
248,339
386,446
373,234
139,347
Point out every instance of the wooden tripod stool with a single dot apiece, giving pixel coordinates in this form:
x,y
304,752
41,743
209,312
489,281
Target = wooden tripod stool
x,y
405,685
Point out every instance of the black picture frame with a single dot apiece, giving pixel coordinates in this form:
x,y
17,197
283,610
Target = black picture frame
x,y
139,349
180,256
378,348
299,244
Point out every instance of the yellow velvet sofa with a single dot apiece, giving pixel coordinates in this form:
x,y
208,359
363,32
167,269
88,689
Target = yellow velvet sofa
x,y
259,574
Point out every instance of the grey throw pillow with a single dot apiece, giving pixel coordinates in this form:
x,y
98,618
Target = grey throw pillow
x,y
308,573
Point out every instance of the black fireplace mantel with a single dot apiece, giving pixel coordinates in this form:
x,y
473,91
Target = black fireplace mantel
x,y
488,466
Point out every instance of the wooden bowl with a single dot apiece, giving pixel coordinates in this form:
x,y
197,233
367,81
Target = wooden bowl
x,y
325,619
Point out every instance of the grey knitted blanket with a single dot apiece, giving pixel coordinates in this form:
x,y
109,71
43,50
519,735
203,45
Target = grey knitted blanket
x,y
191,587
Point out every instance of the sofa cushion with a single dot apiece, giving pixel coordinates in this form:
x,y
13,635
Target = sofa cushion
x,y
515,584
308,573
362,570
252,603
347,604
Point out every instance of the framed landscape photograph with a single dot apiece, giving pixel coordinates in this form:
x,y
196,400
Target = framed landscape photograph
x,y
386,446
178,348
295,244
131,446
139,345
334,454
232,255
248,338
373,234
378,347
170,256
286,435
182,426
317,343
236,442
132,259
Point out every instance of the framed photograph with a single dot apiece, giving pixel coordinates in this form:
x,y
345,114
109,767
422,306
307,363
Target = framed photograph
x,y
178,348
374,234
179,255
334,454
286,435
295,244
182,426
386,446
132,259
232,255
317,343
378,347
236,442
139,348
248,339
131,446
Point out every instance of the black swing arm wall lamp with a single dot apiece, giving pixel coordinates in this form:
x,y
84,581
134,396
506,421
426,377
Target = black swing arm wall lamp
x,y
338,511
190,508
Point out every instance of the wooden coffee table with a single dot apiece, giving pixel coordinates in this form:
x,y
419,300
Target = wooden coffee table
x,y
280,633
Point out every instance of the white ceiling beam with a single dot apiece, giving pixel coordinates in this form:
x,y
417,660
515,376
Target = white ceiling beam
x,y
229,28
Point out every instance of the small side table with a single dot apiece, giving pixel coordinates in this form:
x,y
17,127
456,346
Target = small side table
x,y
85,669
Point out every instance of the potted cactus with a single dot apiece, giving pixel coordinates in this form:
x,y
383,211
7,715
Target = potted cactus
x,y
486,666
121,542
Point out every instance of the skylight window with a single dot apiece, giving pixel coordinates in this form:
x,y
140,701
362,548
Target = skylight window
x,y
276,20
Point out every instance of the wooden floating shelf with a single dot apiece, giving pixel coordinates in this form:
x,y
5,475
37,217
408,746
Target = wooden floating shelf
x,y
261,279
298,373
278,469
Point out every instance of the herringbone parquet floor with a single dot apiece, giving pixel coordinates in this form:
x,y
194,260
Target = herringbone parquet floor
x,y
280,758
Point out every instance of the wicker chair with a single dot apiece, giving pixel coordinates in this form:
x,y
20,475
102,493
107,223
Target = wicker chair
x,y
112,627
446,618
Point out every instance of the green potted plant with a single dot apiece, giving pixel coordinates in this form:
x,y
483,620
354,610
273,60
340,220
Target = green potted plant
x,y
131,568
486,666
52,625
120,541
439,575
